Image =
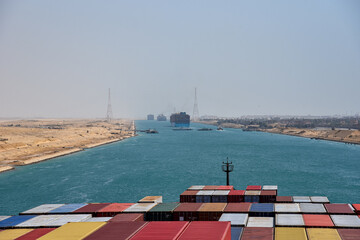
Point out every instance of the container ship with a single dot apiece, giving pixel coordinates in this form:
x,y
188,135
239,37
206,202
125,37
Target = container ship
x,y
180,120
203,212
161,117
150,117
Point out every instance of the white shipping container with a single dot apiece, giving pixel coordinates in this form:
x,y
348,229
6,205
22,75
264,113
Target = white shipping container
x,y
270,187
42,209
98,219
196,187
4,217
289,220
352,221
140,207
312,208
287,208
236,219
64,219
38,221
301,199
221,192
319,199
260,222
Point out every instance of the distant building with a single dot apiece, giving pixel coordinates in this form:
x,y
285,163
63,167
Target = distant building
x,y
150,117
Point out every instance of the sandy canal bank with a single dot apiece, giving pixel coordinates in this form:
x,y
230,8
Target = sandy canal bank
x,y
24,142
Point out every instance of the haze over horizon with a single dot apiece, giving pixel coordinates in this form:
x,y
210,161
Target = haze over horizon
x,y
58,58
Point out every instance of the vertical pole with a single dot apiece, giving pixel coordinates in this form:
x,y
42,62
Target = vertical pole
x,y
227,173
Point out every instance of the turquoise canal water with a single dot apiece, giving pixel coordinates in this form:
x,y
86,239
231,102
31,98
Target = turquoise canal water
x,y
169,162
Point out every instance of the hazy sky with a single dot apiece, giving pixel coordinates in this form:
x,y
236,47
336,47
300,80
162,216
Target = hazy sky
x,y
58,58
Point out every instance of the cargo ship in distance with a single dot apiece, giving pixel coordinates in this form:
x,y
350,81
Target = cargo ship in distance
x,y
180,120
161,117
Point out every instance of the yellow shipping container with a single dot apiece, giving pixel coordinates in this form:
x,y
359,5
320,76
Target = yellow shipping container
x,y
286,233
212,207
73,231
322,234
12,234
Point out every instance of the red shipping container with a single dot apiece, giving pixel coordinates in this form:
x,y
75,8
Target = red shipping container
x,y
128,217
91,208
35,234
113,209
210,187
225,187
338,208
284,199
268,196
317,220
253,187
161,230
187,212
237,208
236,196
207,230
252,233
188,196
116,230
349,234
357,208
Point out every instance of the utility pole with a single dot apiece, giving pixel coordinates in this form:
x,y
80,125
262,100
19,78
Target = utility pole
x,y
196,108
227,167
109,114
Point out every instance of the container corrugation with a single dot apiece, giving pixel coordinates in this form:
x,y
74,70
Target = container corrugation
x,y
67,208
207,230
161,212
11,234
161,230
268,196
220,196
4,217
262,210
73,231
301,199
225,187
338,208
312,208
117,230
196,187
236,196
236,219
64,219
15,220
211,211
348,221
270,187
128,217
188,196
45,208
204,196
357,208
287,208
252,196
98,219
252,233
187,212
151,199
260,222
322,234
253,187
349,234
319,199
284,199
38,221
91,208
210,187
316,220
140,208
113,209
35,234
238,207
286,233
289,220
236,233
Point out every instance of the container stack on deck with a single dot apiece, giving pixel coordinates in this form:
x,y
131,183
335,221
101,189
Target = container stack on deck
x,y
204,212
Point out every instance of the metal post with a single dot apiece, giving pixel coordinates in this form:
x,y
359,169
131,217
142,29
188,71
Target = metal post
x,y
227,167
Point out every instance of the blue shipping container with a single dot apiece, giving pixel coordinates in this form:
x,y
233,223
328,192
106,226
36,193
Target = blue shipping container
x,y
68,208
236,233
15,220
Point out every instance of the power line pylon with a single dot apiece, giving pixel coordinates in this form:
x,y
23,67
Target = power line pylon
x,y
196,108
109,114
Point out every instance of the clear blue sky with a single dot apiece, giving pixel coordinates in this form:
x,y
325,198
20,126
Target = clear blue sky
x,y
58,58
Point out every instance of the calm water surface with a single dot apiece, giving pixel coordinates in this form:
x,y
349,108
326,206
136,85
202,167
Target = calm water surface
x,y
169,162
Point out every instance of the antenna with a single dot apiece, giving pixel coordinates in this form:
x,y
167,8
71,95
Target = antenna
x,y
196,108
109,114
227,167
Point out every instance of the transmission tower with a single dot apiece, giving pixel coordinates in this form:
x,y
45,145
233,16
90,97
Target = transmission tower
x,y
109,114
196,109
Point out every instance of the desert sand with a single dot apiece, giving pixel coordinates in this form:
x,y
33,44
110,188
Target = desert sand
x,y
25,142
